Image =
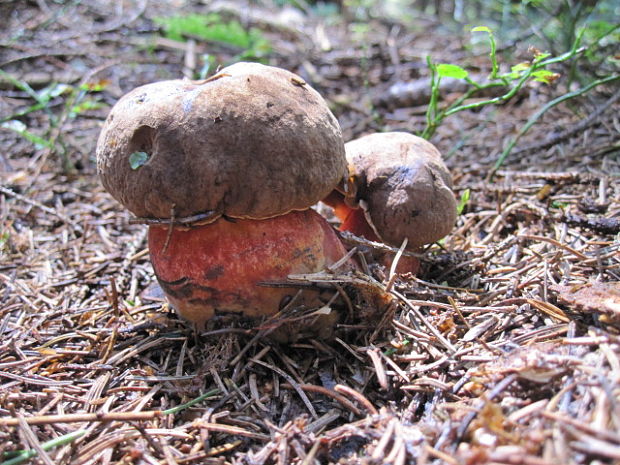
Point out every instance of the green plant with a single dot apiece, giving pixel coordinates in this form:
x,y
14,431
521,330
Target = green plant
x,y
212,28
512,81
463,201
551,25
535,70
76,100
530,122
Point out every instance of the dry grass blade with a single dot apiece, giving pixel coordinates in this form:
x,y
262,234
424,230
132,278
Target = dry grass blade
x,y
327,392
232,430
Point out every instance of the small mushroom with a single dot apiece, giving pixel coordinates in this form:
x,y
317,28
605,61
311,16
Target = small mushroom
x,y
398,188
224,171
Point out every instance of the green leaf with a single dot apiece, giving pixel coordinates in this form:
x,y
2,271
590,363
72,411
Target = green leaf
x,y
20,128
85,106
520,67
137,159
52,91
482,29
463,201
545,76
453,71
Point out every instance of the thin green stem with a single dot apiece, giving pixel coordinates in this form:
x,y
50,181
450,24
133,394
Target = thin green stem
x,y
431,112
22,85
25,455
197,400
495,66
456,107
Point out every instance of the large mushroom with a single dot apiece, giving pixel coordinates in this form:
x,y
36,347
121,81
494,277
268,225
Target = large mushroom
x,y
224,171
398,188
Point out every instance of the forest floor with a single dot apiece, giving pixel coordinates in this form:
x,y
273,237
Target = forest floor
x,y
504,349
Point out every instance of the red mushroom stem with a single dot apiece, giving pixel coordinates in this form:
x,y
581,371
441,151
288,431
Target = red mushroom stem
x,y
351,219
222,267
354,221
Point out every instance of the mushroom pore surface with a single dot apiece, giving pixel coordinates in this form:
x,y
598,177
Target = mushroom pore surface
x,y
403,186
253,141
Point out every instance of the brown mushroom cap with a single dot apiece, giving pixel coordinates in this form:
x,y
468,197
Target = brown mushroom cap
x,y
253,141
404,187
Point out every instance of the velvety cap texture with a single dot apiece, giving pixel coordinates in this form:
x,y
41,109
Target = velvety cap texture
x,y
405,187
253,141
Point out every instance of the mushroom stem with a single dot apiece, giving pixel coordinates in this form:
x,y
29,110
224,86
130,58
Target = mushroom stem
x,y
218,268
351,219
354,221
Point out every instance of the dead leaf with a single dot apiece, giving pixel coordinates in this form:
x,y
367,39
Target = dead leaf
x,y
602,298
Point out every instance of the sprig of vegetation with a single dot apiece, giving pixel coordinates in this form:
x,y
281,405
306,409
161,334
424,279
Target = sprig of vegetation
x,y
535,70
513,81
76,100
197,400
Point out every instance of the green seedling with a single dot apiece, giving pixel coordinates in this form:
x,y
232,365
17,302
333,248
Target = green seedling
x,y
25,455
463,201
535,70
18,457
21,129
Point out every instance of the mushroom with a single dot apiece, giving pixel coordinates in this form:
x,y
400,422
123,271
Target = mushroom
x,y
398,188
224,171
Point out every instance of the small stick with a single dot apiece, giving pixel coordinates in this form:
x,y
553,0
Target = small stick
x,y
33,441
432,329
110,416
356,240
294,384
198,219
24,455
378,453
40,206
532,237
215,77
601,225
379,368
493,393
232,430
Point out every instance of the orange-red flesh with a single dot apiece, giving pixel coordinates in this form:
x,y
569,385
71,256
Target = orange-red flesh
x,y
354,220
218,268
351,219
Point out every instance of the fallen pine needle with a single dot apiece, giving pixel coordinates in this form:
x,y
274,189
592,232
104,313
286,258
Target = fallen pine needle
x,y
24,455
